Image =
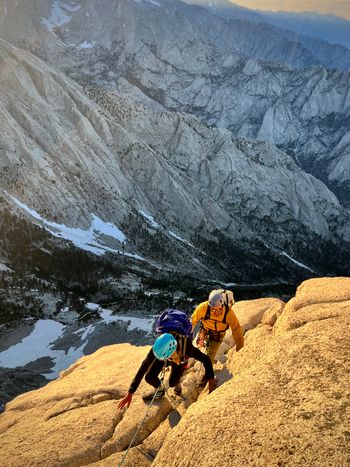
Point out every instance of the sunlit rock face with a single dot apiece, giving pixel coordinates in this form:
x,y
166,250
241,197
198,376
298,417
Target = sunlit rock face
x,y
160,178
287,399
287,390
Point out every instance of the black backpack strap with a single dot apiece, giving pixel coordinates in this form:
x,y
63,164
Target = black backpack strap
x,y
207,313
227,309
181,344
207,316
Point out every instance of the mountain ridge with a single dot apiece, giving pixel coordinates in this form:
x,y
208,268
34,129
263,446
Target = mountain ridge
x,y
330,28
158,183
175,56
119,145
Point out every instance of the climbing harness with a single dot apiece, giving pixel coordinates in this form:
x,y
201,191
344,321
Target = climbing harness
x,y
202,339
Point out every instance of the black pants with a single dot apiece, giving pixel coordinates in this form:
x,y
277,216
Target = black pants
x,y
152,378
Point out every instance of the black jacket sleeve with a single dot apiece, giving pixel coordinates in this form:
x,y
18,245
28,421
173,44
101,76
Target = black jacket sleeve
x,y
193,352
145,365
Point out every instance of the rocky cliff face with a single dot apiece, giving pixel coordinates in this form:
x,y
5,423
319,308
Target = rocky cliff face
x,y
119,149
183,58
286,402
162,177
282,399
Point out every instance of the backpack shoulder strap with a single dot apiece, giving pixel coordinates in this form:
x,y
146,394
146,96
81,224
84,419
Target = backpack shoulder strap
x,y
181,344
207,313
227,309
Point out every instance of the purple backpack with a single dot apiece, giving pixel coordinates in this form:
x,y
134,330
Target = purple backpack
x,y
174,321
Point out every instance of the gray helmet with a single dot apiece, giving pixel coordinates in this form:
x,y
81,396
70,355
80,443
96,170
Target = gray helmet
x,y
220,297
216,298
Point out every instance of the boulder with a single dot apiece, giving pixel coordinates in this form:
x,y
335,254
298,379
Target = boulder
x,y
74,420
271,314
251,312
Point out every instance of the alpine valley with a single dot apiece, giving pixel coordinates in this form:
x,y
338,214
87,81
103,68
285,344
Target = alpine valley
x,y
165,145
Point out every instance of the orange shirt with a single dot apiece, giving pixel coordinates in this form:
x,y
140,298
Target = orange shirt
x,y
215,323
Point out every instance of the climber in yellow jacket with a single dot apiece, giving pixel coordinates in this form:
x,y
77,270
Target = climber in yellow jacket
x,y
216,316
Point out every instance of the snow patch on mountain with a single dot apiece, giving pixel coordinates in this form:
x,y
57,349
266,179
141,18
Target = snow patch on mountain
x,y
85,45
134,323
295,261
43,339
89,240
60,14
34,346
173,234
148,1
149,218
4,268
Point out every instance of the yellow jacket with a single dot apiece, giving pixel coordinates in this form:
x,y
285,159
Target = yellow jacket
x,y
215,323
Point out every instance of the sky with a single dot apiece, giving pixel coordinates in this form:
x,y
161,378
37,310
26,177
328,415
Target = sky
x,y
335,7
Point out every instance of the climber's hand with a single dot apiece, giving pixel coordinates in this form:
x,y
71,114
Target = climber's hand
x,y
126,401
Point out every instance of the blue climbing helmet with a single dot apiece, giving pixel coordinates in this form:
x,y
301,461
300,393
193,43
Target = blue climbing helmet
x,y
164,346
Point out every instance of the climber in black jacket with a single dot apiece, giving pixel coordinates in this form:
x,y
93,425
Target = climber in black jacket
x,y
166,351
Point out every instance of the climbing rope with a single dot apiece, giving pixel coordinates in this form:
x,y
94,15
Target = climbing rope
x,y
144,418
173,402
